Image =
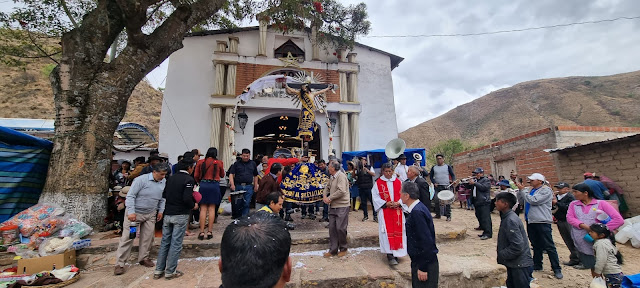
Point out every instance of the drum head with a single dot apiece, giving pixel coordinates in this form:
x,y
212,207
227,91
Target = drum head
x,y
445,195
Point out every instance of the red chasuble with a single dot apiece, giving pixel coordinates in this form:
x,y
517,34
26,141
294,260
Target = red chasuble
x,y
392,217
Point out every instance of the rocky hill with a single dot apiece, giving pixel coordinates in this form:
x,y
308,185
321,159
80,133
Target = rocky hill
x,y
25,92
529,106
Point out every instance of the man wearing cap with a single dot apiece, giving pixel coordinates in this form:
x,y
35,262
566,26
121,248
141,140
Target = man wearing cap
x,y
441,176
563,197
537,214
402,168
482,202
599,191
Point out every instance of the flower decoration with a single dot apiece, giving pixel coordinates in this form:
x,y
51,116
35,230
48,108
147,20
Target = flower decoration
x,y
318,6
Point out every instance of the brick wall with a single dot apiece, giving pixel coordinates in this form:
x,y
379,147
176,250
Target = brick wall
x,y
618,159
526,150
247,73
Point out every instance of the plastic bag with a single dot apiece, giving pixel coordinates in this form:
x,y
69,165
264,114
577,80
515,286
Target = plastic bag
x,y
55,245
225,208
48,227
28,219
74,228
598,282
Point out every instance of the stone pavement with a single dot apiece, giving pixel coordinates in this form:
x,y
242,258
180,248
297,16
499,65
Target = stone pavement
x,y
465,260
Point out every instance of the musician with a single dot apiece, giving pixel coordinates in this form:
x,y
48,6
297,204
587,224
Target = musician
x,y
402,168
482,201
423,186
365,183
441,176
387,202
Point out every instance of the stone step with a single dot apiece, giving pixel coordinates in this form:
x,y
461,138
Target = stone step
x,y
309,235
362,267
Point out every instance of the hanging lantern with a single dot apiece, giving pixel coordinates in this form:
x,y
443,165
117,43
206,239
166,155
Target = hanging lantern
x,y
243,118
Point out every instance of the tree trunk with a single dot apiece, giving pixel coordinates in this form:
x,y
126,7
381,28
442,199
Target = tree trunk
x,y
91,96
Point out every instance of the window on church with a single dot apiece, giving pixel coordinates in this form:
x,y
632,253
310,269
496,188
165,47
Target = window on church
x,y
289,47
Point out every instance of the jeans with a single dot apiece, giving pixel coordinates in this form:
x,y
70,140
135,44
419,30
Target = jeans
x,y
247,197
173,231
469,203
484,219
541,240
365,198
432,275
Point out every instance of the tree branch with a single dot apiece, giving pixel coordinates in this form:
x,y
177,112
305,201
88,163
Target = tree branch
x,y
63,3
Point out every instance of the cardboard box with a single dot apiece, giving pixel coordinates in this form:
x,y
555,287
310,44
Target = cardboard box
x,y
35,265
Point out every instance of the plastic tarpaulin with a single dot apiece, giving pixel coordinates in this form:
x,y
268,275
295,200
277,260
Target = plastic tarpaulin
x,y
377,156
24,161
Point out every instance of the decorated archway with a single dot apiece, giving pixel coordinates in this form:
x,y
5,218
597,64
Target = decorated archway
x,y
279,131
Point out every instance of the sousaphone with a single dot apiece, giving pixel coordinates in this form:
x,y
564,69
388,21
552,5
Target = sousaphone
x,y
395,148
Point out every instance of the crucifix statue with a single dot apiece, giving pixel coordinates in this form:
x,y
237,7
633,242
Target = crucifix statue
x,y
310,101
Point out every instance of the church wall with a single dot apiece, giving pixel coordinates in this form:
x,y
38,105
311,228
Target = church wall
x,y
190,81
375,94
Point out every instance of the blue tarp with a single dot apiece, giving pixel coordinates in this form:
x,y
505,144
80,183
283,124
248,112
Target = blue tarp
x,y
377,156
24,162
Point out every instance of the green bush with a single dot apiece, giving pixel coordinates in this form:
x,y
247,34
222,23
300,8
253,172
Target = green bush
x,y
46,70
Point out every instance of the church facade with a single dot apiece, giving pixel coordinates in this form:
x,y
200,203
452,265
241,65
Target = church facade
x,y
200,107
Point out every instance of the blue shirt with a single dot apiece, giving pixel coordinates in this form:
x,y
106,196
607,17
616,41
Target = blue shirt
x,y
597,187
527,205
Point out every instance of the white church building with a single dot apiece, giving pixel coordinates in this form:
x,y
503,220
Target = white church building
x,y
205,78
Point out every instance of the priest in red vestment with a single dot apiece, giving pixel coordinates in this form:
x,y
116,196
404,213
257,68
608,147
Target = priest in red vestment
x,y
386,201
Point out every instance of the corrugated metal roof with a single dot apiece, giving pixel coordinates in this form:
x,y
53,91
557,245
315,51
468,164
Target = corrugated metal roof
x,y
127,133
593,143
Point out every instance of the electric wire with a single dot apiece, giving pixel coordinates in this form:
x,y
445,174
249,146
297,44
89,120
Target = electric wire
x,y
504,31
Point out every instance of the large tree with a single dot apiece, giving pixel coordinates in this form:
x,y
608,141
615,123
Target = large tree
x,y
91,90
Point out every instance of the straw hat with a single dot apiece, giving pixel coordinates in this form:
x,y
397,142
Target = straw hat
x,y
124,191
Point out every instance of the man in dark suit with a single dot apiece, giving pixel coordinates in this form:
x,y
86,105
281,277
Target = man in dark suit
x,y
268,184
413,175
421,239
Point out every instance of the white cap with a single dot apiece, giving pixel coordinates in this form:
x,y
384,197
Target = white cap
x,y
536,176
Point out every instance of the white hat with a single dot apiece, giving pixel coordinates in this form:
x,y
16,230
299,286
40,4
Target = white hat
x,y
536,176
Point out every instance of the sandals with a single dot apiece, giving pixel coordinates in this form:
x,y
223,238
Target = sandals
x,y
209,235
201,236
175,275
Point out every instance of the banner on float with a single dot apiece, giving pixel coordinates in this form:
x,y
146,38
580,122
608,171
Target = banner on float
x,y
304,184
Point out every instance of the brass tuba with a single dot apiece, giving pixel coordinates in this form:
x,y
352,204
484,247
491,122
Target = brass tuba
x,y
395,148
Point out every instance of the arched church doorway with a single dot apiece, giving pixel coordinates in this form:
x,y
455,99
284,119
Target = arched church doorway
x,y
280,132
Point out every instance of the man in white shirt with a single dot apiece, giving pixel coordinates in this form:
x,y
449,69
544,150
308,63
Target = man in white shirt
x,y
402,168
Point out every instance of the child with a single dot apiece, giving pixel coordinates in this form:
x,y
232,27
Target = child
x,y
513,247
608,258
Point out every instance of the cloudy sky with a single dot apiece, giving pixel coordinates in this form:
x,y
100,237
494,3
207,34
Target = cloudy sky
x,y
440,73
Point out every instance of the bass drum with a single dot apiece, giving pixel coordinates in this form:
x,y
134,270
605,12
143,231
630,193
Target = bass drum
x,y
446,197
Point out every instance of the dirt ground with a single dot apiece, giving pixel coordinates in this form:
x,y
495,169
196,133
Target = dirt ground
x,y
470,262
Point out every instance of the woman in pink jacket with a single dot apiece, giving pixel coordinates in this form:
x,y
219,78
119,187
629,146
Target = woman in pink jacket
x,y
581,214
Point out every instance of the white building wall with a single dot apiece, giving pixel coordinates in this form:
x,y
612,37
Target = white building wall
x,y
375,94
191,80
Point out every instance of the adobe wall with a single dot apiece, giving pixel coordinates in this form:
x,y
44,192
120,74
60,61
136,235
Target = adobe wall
x,y
618,160
526,150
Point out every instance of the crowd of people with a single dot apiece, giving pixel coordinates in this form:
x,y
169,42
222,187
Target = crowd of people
x,y
402,205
